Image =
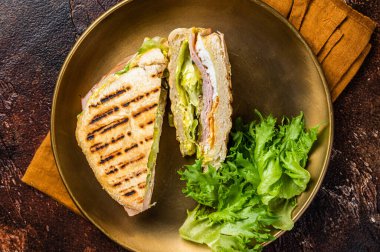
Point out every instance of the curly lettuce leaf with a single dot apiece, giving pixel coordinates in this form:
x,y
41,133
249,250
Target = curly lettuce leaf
x,y
282,212
202,187
255,189
227,236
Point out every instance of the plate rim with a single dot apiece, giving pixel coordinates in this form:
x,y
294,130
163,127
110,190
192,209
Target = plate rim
x,y
264,6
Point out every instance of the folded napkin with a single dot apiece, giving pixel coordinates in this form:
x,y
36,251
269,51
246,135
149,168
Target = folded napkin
x,y
338,35
43,175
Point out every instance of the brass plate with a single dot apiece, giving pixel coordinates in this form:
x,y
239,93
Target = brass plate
x,y
272,69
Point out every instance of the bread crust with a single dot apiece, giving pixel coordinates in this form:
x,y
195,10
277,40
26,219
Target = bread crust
x,y
175,39
222,114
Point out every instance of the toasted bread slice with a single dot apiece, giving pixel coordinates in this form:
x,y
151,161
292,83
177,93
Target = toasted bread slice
x,y
119,130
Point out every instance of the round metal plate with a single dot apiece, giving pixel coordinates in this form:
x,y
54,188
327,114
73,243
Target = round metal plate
x,y
273,70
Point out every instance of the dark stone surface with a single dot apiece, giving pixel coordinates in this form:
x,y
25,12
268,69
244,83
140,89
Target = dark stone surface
x,y
35,37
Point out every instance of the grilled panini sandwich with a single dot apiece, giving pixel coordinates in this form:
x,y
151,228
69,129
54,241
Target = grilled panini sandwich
x,y
200,92
120,126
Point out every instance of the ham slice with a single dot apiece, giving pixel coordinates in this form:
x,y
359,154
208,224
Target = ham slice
x,y
207,88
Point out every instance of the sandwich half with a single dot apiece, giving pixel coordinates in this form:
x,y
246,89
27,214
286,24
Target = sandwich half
x,y
120,126
200,92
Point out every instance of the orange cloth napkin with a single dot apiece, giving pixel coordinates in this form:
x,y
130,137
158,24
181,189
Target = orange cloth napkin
x,y
338,35
43,175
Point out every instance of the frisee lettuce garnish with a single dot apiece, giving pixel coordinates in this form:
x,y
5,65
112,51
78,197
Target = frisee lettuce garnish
x,y
255,189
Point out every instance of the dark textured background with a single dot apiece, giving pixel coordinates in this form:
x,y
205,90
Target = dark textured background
x,y
35,37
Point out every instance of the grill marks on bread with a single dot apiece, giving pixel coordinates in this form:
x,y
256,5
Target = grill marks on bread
x,y
128,191
131,190
144,109
133,146
125,152
111,96
117,93
120,166
150,121
139,97
105,128
100,116
118,133
99,146
103,115
133,175
110,156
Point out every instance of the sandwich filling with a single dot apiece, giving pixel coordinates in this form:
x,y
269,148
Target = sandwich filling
x,y
197,87
189,87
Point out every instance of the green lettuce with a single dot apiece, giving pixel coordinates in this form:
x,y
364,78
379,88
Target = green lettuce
x,y
255,189
147,45
189,87
156,133
152,43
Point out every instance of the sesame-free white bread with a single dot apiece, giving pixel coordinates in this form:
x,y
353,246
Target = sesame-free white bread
x,y
215,45
115,130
